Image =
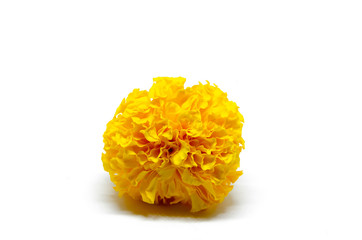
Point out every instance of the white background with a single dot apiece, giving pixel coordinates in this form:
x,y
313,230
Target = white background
x,y
293,67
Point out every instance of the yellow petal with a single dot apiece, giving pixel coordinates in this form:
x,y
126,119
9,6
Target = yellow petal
x,y
150,134
166,173
189,178
196,202
181,155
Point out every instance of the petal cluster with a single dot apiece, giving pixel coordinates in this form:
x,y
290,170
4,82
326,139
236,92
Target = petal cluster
x,y
174,145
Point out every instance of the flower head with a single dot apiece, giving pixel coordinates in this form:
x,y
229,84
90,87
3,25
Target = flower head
x,y
175,145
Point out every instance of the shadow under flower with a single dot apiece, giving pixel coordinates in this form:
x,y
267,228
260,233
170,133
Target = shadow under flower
x,y
177,210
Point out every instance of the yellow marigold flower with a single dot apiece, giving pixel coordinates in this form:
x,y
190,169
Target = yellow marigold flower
x,y
174,145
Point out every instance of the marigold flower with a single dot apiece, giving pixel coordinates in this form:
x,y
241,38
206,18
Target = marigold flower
x,y
174,145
